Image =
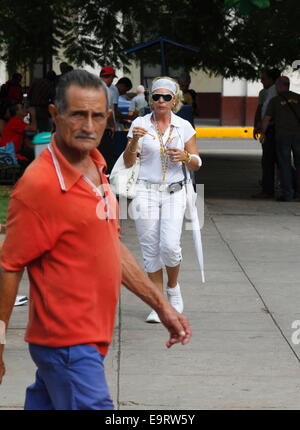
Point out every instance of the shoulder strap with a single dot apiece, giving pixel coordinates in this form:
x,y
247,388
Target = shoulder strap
x,y
291,107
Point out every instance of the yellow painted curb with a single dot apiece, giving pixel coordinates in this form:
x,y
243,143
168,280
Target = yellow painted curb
x,y
229,132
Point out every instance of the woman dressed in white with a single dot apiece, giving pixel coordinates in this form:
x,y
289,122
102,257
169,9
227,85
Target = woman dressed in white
x,y
165,144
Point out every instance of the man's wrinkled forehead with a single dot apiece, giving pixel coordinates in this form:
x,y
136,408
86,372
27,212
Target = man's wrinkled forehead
x,y
77,97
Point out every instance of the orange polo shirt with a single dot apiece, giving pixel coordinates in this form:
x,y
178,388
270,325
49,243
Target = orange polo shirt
x,y
64,230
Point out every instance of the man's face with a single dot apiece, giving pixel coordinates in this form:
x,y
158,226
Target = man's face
x,y
184,85
82,125
122,89
266,81
108,79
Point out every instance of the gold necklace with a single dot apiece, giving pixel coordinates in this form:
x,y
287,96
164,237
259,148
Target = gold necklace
x,y
163,149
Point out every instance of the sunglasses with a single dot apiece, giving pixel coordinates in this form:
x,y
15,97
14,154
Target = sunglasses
x,y
166,97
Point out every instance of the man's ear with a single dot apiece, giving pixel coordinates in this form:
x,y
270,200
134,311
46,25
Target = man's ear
x,y
53,112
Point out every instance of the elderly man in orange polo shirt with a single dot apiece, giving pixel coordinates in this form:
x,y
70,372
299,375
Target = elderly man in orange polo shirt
x,y
61,226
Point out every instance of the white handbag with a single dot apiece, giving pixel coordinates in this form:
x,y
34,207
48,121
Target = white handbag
x,y
123,179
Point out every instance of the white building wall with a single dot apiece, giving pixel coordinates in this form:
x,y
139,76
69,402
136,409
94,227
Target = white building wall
x,y
3,73
202,82
294,76
134,75
253,88
234,88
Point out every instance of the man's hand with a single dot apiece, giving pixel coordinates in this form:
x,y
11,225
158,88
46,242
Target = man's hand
x,y
262,137
2,371
177,325
9,283
176,155
138,132
2,366
256,132
112,130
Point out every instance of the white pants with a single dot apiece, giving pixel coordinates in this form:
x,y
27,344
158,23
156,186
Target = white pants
x,y
158,218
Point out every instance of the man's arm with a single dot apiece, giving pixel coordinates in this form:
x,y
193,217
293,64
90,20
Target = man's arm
x,y
257,122
9,283
33,123
110,124
264,126
122,117
135,279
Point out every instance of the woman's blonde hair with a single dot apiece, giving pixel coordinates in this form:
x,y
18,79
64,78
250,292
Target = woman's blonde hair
x,y
178,96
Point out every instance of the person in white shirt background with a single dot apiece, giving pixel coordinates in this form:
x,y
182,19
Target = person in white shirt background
x,y
167,144
138,103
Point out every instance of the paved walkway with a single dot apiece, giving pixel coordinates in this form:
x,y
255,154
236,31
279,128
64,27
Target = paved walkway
x,y
241,355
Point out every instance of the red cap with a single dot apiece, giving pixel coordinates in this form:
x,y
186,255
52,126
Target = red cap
x,y
107,71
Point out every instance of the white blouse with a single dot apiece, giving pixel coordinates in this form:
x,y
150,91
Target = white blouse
x,y
151,167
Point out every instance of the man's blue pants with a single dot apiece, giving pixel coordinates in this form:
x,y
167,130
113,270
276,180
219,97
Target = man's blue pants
x,y
69,378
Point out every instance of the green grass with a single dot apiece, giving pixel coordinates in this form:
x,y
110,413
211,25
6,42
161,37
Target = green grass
x,y
5,191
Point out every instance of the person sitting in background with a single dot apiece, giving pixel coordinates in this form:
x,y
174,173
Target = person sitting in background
x,y
138,103
14,131
11,91
4,116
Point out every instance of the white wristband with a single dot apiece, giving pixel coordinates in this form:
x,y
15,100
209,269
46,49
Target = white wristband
x,y
197,158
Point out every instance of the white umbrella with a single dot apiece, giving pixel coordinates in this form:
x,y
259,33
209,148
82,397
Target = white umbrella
x,y
192,215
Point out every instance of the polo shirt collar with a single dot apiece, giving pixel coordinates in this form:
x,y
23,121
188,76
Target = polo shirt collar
x,y
67,174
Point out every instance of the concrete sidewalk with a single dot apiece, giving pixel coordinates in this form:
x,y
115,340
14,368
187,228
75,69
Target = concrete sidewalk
x,y
241,355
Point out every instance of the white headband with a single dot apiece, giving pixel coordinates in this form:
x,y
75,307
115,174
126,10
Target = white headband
x,y
166,84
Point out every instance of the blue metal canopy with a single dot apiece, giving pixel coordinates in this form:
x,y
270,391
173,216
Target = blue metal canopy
x,y
161,41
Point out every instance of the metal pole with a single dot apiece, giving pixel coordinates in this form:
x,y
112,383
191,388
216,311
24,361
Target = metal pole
x,y
163,58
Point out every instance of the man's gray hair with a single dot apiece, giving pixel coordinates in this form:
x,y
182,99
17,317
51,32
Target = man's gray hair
x,y
79,78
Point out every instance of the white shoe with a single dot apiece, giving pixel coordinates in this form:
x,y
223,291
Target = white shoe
x,y
21,300
175,298
152,318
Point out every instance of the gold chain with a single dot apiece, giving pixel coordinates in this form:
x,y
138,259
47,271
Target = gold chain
x,y
164,157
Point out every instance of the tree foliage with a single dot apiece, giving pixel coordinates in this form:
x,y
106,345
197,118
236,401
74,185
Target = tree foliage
x,y
247,6
27,31
236,37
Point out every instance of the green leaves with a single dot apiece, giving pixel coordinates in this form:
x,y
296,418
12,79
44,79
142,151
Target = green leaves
x,y
247,6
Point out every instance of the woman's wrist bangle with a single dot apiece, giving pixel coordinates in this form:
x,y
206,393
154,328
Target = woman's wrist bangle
x,y
197,158
187,157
